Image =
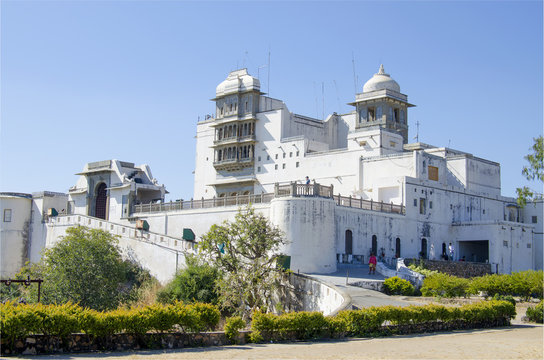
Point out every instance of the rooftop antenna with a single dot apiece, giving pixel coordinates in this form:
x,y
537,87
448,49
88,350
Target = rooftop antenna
x,y
417,133
245,58
337,97
323,99
268,82
354,77
316,107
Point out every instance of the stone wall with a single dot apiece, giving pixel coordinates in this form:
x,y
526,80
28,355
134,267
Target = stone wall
x,y
465,269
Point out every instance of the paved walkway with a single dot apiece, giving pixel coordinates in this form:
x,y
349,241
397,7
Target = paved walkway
x,y
360,297
514,342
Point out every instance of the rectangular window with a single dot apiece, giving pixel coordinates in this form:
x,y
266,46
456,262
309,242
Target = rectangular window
x,y
505,243
528,246
276,167
284,155
298,152
433,173
415,202
430,204
291,154
422,206
7,215
276,156
534,219
283,166
267,157
259,158
297,164
371,114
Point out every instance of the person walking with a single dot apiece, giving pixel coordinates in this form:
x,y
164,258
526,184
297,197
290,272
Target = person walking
x,y
372,264
451,250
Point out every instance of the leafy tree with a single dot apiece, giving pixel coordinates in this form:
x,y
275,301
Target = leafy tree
x,y
86,267
245,251
534,171
195,283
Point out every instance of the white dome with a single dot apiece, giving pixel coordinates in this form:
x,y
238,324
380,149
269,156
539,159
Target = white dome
x,y
238,80
381,81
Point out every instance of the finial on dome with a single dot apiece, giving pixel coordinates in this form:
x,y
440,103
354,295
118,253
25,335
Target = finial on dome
x,y
381,71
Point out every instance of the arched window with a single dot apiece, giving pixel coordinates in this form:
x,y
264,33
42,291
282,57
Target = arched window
x,y
423,253
374,244
349,242
101,201
397,248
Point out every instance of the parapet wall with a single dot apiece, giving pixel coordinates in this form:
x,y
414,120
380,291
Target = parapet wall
x,y
465,269
315,295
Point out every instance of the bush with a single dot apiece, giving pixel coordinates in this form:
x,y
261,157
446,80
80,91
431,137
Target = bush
x,y
397,286
444,285
536,314
195,283
422,270
232,327
370,321
524,284
18,320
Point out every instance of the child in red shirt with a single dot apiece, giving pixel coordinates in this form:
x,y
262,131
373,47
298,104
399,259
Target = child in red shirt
x,y
372,264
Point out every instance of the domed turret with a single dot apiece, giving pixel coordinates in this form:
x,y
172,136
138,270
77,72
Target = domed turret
x,y
237,81
381,81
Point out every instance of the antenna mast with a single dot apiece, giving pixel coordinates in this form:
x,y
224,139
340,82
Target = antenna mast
x,y
417,133
268,82
323,99
354,77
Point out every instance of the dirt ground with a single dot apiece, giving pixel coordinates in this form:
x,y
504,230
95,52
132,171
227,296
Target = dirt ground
x,y
514,342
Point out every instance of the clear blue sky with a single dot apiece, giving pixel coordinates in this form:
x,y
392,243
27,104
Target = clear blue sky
x,y
84,81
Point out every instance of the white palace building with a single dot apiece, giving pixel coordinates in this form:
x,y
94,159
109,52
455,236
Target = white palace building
x,y
369,189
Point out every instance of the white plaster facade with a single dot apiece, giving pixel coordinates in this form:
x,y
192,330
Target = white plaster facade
x,y
397,198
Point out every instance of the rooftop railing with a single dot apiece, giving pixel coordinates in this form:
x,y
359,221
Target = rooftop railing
x,y
283,190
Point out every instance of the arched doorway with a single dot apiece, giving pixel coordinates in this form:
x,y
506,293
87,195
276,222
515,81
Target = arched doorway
x,y
374,244
444,253
423,253
349,242
101,201
397,248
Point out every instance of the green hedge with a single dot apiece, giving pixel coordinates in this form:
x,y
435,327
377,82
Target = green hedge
x,y
369,321
20,320
524,284
536,314
397,286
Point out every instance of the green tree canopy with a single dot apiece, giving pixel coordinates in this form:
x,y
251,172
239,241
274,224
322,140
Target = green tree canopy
x,y
245,251
533,172
86,267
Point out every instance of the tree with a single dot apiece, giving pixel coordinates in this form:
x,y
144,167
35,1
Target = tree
x,y
196,283
86,267
245,251
534,171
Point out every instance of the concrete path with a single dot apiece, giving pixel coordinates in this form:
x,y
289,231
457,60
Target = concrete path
x,y
360,297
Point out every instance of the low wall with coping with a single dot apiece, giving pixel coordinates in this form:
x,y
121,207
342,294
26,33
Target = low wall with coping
x,y
465,269
315,295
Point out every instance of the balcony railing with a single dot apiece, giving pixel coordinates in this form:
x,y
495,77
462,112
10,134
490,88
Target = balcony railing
x,y
283,190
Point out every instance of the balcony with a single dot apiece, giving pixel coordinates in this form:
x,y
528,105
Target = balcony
x,y
234,140
233,164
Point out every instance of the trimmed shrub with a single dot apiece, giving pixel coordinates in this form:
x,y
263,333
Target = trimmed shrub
x,y
233,325
397,286
444,285
536,314
525,284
